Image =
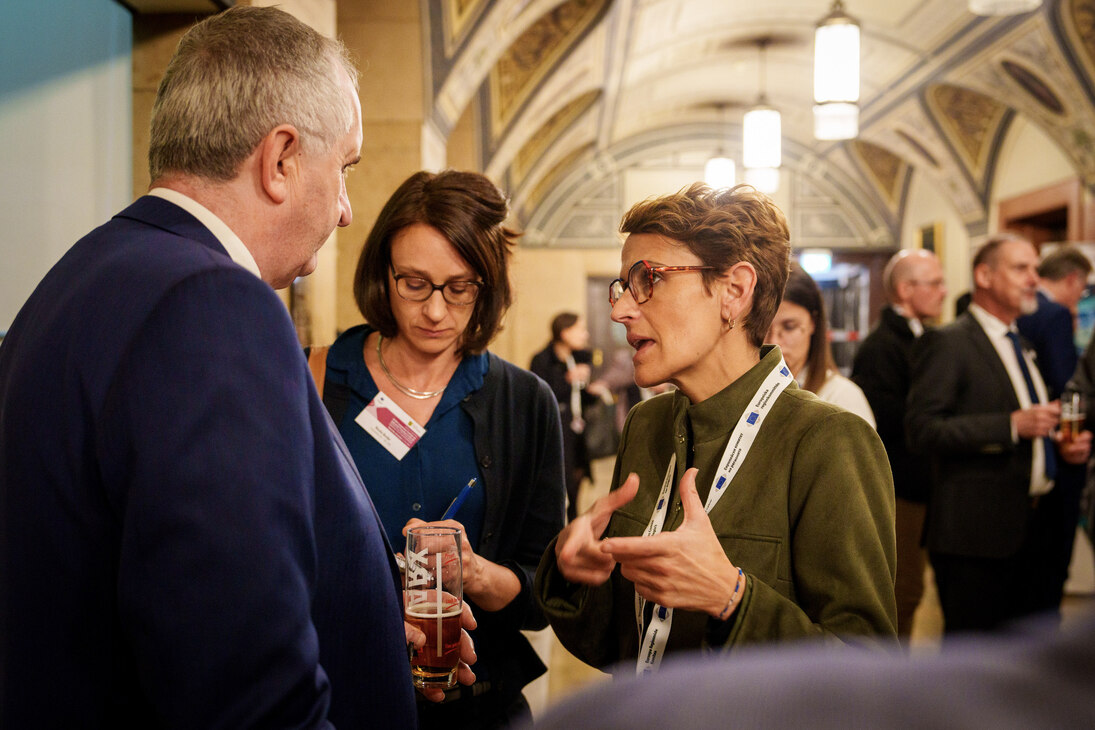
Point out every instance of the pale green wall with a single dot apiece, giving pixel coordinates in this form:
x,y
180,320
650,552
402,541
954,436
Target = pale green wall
x,y
65,122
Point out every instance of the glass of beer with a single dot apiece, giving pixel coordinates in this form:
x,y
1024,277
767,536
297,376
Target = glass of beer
x,y
433,599
1073,410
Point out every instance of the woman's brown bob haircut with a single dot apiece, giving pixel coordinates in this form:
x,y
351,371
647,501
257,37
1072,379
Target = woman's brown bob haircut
x,y
723,227
468,210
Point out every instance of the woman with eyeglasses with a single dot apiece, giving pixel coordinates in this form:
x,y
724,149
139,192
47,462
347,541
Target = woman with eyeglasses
x,y
745,509
432,284
801,330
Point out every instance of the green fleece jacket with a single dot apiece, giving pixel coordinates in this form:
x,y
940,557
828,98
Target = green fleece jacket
x,y
809,518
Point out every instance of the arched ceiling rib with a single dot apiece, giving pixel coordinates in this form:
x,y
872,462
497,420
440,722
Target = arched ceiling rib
x,y
565,84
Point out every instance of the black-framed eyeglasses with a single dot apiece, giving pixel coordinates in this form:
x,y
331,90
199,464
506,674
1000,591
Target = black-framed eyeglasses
x,y
640,280
417,289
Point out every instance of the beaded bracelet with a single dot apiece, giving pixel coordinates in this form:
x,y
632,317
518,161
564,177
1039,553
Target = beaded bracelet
x,y
725,612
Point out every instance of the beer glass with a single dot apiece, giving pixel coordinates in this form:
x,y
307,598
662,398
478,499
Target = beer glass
x,y
1073,410
432,600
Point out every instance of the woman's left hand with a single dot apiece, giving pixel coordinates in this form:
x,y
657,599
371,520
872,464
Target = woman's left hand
x,y
684,568
490,585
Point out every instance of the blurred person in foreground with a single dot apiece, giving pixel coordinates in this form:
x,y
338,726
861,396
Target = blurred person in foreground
x,y
914,284
565,365
1033,677
745,509
801,329
183,542
432,282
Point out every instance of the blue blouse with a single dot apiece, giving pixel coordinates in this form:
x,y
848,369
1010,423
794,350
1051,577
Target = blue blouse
x,y
433,472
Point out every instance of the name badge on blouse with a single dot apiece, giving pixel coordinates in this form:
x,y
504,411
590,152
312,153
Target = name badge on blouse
x,y
390,426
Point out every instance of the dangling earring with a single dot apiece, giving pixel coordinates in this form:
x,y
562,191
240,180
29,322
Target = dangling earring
x,y
730,323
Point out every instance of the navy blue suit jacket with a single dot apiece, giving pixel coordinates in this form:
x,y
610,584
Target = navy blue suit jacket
x,y
184,541
1049,330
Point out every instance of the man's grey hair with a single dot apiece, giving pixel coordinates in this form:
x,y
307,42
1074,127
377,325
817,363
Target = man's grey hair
x,y
237,75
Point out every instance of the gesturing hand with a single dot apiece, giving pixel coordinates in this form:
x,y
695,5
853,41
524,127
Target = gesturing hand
x,y
685,568
577,550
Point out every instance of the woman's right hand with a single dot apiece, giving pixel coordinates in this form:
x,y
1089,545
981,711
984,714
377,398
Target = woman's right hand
x,y
578,551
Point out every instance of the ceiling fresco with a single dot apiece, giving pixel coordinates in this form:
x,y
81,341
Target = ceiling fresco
x,y
570,97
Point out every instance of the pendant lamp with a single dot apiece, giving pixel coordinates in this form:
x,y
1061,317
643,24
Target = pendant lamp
x,y
720,172
836,75
1003,7
762,136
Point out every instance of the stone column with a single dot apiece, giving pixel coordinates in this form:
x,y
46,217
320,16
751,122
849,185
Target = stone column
x,y
385,37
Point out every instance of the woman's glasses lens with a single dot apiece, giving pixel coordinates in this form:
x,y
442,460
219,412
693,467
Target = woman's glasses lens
x,y
415,289
638,283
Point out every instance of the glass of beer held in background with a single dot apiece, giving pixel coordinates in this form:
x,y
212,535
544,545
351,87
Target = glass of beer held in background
x,y
433,599
1073,410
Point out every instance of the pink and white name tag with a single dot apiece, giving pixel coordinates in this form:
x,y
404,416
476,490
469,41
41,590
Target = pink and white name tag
x,y
390,426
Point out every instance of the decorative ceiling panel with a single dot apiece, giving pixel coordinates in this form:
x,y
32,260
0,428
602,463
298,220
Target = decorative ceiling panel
x,y
887,171
539,142
533,55
458,18
1027,70
971,121
909,132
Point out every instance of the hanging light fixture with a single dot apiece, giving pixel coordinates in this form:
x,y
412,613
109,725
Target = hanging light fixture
x,y
762,135
719,172
836,75
1003,7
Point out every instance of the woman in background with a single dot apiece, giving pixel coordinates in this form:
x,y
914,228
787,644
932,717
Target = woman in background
x,y
565,366
432,283
802,333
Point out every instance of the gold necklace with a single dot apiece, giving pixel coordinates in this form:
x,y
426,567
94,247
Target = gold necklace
x,y
416,394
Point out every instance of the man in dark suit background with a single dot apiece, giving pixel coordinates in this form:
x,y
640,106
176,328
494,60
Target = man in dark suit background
x,y
1050,328
979,409
914,284
1062,275
184,541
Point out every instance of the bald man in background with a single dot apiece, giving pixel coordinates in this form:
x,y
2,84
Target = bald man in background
x,y
914,284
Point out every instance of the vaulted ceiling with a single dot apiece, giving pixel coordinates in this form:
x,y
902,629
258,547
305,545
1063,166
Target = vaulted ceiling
x,y
572,100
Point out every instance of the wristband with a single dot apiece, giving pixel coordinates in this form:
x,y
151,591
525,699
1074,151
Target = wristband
x,y
725,612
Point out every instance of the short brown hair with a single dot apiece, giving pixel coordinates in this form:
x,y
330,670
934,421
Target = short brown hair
x,y
1060,262
724,227
468,210
989,250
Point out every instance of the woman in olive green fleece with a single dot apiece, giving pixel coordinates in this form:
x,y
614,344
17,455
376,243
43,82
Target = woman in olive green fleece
x,y
746,509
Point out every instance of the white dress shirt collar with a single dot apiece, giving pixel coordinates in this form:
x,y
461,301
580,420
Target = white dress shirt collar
x,y
235,247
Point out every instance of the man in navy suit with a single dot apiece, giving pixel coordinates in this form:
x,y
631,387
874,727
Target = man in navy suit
x,y
1050,328
979,409
184,541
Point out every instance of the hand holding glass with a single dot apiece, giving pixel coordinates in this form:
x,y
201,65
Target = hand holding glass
x,y
433,600
1073,410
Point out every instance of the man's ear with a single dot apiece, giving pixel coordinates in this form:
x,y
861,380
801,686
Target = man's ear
x,y
981,276
279,161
